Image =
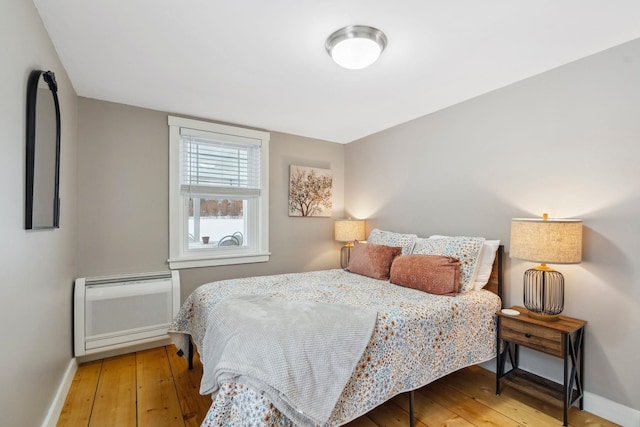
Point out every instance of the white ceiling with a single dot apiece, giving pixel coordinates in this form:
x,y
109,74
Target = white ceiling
x,y
262,63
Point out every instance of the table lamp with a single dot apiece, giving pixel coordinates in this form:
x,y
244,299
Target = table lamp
x,y
547,241
348,230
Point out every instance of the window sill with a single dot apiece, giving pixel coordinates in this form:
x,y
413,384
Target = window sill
x,y
213,261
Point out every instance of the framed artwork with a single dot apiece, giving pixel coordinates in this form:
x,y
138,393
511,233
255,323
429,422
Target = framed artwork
x,y
310,191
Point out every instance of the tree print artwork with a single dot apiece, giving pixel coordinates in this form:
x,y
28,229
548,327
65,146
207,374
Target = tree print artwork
x,y
310,191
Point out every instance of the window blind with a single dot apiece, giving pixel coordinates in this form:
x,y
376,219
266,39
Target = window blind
x,y
212,166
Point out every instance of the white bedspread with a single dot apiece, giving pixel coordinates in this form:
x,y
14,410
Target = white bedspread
x,y
300,353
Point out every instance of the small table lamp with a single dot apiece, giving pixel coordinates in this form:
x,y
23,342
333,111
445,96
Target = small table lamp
x,y
348,230
544,240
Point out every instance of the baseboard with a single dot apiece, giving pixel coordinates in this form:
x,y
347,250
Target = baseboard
x,y
597,405
61,395
610,410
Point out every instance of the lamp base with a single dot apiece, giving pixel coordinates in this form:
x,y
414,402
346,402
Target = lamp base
x,y
544,293
345,255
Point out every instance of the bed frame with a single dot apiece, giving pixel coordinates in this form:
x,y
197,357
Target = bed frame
x,y
495,285
496,280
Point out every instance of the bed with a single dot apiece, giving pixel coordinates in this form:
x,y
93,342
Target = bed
x,y
416,337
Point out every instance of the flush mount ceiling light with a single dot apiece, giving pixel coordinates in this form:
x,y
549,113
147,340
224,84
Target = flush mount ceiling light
x,y
356,46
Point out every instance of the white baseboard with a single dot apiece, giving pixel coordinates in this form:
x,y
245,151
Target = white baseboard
x,y
61,395
610,410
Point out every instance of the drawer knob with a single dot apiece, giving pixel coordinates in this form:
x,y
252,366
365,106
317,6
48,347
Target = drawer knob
x,y
528,335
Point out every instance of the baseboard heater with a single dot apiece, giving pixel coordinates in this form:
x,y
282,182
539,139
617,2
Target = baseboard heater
x,y
114,312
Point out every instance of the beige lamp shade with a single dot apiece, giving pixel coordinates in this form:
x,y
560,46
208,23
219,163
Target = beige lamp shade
x,y
348,230
547,241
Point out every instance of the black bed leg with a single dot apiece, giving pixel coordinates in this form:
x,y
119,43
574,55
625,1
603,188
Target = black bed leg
x,y
190,355
412,420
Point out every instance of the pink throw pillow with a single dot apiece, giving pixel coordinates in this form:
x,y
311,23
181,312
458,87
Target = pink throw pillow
x,y
435,274
372,260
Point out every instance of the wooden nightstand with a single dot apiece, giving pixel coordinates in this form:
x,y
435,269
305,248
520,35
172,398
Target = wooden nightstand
x,y
563,338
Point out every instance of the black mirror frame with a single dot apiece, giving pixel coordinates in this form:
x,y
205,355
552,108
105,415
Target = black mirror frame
x,y
32,91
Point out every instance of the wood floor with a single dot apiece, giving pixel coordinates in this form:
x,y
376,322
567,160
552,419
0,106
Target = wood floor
x,y
155,388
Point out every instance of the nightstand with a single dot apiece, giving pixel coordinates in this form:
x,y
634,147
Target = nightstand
x,y
563,338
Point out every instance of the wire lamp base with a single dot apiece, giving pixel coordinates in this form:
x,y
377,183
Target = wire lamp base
x,y
544,293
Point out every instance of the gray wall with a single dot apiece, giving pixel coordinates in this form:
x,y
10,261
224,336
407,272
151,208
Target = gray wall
x,y
123,200
38,267
566,142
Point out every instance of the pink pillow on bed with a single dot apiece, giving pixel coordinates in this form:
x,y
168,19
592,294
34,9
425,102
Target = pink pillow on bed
x,y
372,260
435,274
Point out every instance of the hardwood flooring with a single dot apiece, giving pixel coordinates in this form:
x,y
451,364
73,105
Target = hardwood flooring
x,y
154,388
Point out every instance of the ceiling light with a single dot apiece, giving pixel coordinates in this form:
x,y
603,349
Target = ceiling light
x,y
356,46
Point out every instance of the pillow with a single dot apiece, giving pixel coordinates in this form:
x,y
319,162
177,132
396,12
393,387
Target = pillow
x,y
372,260
464,249
485,264
439,275
388,238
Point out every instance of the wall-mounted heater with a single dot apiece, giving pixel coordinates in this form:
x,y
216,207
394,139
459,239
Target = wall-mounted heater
x,y
115,312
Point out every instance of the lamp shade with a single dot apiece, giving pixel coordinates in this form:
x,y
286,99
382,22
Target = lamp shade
x,y
348,230
552,241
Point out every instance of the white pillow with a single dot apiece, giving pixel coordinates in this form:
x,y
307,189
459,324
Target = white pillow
x,y
485,263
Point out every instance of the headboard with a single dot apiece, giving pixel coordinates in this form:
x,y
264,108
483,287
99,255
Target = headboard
x,y
496,280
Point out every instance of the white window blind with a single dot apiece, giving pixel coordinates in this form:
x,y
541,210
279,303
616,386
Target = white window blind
x,y
211,165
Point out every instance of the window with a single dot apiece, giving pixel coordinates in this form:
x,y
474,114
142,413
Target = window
x,y
218,194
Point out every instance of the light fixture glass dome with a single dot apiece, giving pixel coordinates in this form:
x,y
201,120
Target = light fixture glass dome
x,y
356,47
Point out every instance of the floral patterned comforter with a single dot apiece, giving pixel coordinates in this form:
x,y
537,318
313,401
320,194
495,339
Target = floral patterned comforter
x,y
418,338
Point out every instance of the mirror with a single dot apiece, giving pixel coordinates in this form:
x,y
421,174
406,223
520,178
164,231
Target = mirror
x,y
43,152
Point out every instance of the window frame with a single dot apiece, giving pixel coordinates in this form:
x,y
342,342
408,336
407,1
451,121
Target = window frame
x,y
179,254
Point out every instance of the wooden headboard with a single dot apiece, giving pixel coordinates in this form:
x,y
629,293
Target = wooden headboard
x,y
496,280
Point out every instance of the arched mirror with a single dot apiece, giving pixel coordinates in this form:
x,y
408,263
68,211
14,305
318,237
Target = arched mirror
x,y
43,152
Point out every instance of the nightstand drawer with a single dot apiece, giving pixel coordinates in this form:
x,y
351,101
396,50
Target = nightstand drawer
x,y
533,336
